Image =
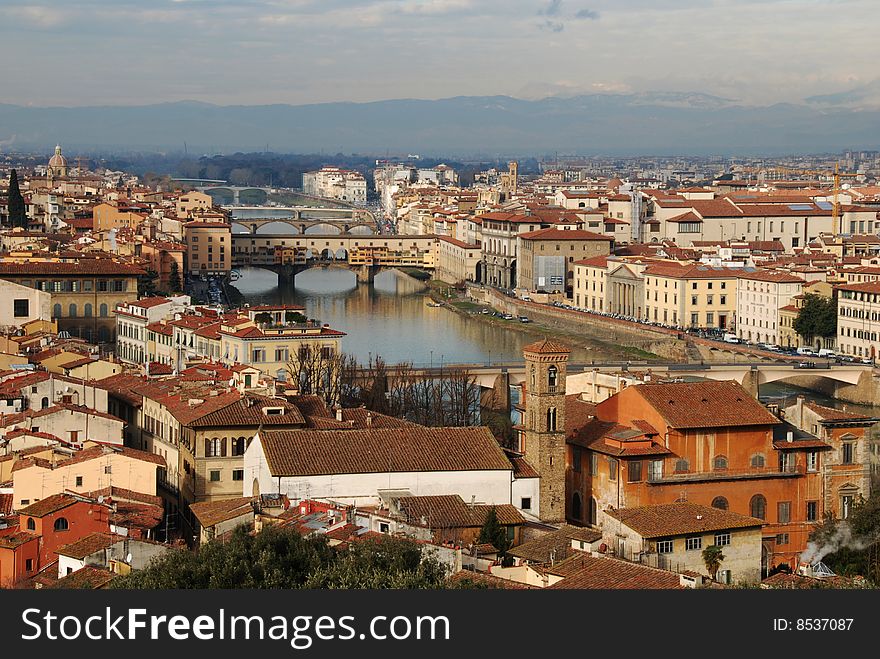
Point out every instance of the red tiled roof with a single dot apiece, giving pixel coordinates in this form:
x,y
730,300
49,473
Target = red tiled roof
x,y
88,545
417,449
561,234
210,513
49,505
83,267
706,404
588,572
674,519
546,346
88,577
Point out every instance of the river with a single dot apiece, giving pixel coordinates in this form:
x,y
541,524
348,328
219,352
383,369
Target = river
x,y
391,318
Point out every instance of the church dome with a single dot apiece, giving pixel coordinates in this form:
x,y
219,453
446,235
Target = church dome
x,y
58,160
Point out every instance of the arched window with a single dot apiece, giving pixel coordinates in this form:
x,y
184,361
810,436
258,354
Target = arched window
x,y
720,462
87,310
533,382
103,311
44,403
213,448
720,503
552,376
551,419
61,524
71,311
56,311
576,506
757,461
682,465
31,524
758,506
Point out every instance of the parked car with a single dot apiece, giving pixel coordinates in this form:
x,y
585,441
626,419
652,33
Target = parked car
x,y
507,316
826,352
806,350
524,319
730,338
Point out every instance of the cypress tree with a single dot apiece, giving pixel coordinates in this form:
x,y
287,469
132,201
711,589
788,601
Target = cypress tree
x,y
17,217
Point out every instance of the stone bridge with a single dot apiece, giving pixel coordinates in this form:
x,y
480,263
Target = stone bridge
x,y
856,379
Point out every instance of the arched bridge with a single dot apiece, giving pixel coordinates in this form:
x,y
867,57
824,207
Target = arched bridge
x,y
290,254
307,218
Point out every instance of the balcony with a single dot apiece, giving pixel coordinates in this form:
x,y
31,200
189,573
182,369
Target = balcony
x,y
791,471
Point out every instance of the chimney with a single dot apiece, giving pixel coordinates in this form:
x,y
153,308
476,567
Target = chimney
x,y
369,419
339,414
789,437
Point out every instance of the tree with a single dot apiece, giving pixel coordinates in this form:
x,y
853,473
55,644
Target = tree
x,y
712,557
263,318
294,317
17,217
279,557
174,278
147,283
494,533
817,317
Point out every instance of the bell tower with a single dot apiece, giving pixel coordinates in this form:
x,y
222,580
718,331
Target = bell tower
x,y
544,436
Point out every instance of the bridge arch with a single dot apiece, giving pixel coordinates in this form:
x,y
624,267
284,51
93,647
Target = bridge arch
x,y
252,196
277,226
323,229
221,196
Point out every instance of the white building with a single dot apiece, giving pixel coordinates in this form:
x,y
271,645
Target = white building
x,y
132,319
760,294
354,466
336,183
858,319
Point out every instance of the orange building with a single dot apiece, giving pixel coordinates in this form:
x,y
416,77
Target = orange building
x,y
713,444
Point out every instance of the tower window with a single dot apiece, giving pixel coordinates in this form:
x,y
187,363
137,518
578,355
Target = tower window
x,y
551,419
552,377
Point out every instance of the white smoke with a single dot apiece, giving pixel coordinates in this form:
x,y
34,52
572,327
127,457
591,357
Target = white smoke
x,y
842,537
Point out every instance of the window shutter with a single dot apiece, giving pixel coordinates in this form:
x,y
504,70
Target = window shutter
x,y
223,448
207,447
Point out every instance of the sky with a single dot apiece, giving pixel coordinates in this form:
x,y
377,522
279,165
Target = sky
x,y
249,52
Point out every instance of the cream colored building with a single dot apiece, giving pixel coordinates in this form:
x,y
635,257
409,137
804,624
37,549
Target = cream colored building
x,y
692,295
457,261
760,296
547,257
858,319
110,216
673,536
22,304
589,283
193,201
88,470
209,247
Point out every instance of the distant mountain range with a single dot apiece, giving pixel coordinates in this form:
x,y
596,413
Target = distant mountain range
x,y
614,124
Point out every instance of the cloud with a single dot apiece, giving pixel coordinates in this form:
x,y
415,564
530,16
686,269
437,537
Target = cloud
x,y
587,14
552,8
552,26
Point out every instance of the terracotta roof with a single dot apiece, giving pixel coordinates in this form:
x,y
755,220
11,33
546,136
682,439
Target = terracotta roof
x,y
149,302
483,580
83,267
833,414
88,545
773,276
88,577
864,287
555,545
673,519
546,346
690,271
248,411
450,511
706,404
318,452
17,539
49,505
94,452
561,234
588,572
210,513
595,262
